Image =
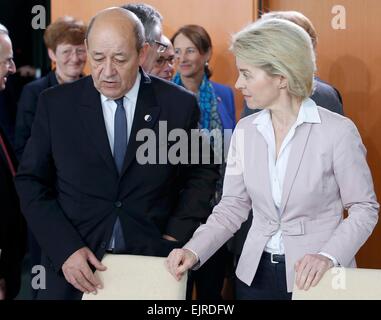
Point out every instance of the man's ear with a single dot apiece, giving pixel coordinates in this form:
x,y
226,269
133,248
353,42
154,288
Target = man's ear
x,y
143,53
52,55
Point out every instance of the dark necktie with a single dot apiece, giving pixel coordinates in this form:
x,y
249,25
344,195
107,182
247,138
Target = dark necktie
x,y
120,135
117,244
7,157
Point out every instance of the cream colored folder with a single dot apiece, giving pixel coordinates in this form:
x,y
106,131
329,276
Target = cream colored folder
x,y
131,277
344,284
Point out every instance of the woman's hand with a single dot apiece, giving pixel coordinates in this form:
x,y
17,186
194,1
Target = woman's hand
x,y
179,261
310,269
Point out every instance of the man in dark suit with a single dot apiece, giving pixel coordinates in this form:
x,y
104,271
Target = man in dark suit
x,y
12,224
83,190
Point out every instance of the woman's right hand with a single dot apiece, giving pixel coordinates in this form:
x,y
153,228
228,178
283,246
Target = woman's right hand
x,y
179,261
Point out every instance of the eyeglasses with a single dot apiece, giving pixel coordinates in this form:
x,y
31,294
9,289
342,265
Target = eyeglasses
x,y
67,52
161,61
161,46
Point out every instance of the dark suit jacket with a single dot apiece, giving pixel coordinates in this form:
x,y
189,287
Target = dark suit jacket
x,y
324,96
12,226
26,109
70,190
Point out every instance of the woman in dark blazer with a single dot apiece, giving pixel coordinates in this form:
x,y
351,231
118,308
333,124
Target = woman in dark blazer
x,y
65,42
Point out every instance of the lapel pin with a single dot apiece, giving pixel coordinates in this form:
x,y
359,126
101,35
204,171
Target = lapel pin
x,y
147,118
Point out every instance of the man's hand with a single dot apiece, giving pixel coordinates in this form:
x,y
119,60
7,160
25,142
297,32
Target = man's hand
x,y
310,269
179,261
78,273
2,289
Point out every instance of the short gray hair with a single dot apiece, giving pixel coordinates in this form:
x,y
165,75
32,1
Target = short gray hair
x,y
279,47
149,16
3,29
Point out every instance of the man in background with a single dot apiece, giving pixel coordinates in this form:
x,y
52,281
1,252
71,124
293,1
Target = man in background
x,y
152,23
12,225
164,64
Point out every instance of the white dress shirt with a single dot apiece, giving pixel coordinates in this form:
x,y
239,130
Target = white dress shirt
x,y
308,113
109,108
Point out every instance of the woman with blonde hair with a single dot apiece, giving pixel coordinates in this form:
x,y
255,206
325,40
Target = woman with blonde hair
x,y
296,165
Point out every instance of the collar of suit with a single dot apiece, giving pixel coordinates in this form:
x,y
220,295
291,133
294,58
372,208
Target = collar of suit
x,y
92,118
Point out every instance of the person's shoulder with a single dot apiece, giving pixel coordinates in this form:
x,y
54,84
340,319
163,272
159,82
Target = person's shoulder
x,y
169,85
325,87
37,85
221,87
334,122
170,90
249,121
69,90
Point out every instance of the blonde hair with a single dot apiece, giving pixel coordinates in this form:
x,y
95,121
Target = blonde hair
x,y
280,48
295,17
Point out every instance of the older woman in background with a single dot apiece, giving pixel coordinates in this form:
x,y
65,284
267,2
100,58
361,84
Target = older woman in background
x,y
193,51
64,40
297,165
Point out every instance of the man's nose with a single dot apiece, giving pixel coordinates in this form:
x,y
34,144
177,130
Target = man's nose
x,y
12,67
109,69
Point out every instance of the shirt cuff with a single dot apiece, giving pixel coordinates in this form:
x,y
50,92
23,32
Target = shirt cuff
x,y
333,259
197,264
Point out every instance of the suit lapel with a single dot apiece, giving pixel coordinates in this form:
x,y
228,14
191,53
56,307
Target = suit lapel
x,y
261,170
146,115
299,144
91,114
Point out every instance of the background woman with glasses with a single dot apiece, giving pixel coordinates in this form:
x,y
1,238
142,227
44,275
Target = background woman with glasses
x,y
64,40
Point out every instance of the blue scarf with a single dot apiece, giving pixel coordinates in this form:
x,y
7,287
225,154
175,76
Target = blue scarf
x,y
209,119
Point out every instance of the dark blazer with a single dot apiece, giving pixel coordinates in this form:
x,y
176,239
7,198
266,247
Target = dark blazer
x,y
324,95
70,190
26,109
225,105
12,226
